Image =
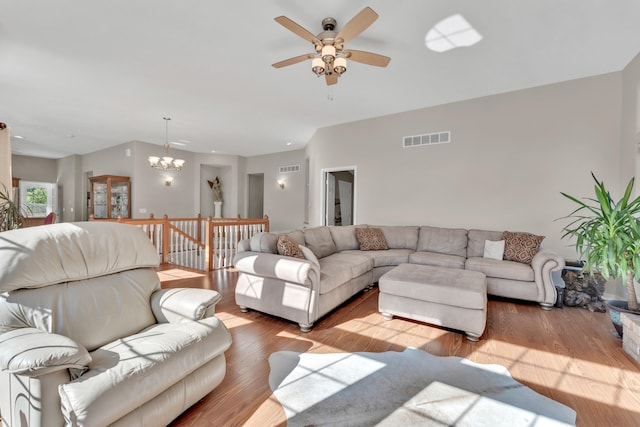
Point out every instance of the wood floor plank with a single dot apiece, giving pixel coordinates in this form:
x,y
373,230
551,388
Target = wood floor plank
x,y
569,354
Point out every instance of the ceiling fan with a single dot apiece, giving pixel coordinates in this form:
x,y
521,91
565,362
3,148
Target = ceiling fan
x,y
330,57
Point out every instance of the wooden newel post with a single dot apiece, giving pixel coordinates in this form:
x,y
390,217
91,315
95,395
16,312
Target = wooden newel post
x,y
209,262
266,225
165,239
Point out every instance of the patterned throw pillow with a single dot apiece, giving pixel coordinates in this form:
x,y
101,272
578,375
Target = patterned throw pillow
x,y
288,247
371,239
521,247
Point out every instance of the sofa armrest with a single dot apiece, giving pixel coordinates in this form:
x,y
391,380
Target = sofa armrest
x,y
285,268
32,352
244,245
183,304
544,263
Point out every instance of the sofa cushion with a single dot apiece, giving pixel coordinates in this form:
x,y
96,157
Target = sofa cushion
x,y
91,312
297,236
437,260
501,269
319,240
355,262
450,241
475,245
264,242
401,237
334,272
344,237
130,371
521,247
371,239
288,247
390,257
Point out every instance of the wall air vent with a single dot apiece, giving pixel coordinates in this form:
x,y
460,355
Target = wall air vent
x,y
427,139
290,168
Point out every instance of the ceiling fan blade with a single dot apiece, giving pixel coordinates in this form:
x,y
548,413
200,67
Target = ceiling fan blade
x,y
331,79
358,24
292,61
368,58
297,29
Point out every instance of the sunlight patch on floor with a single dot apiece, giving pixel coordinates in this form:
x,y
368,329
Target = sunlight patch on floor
x,y
559,370
395,332
177,274
232,321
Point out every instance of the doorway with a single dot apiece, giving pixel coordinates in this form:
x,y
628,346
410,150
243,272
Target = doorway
x,y
338,196
255,194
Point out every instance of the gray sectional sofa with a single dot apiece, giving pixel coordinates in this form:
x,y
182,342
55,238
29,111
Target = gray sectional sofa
x,y
335,269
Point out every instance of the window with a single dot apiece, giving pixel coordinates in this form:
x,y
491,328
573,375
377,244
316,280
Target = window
x,y
40,198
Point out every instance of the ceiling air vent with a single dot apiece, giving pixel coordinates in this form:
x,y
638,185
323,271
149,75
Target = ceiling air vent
x,y
290,168
427,139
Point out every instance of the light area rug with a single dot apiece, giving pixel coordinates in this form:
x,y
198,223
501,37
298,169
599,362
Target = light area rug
x,y
409,388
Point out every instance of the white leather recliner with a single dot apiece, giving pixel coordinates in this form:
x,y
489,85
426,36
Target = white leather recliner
x,y
88,338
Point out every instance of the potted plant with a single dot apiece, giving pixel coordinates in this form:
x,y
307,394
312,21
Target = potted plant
x,y
11,215
608,239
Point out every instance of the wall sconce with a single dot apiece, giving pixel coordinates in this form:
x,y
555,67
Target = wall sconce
x,y
168,180
281,184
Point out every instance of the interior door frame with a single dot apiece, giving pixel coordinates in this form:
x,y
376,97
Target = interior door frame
x,y
323,190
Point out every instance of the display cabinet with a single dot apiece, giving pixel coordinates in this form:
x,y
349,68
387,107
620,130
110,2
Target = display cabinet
x,y
110,196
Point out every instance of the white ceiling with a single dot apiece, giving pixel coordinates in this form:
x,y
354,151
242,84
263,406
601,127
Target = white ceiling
x,y
78,76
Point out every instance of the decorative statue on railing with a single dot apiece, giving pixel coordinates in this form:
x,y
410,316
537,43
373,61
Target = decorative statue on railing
x,y
215,186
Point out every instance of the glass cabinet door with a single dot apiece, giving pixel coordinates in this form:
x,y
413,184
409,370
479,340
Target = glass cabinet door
x,y
110,196
119,199
100,199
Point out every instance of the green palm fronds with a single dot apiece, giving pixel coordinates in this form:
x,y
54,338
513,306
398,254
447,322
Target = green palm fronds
x,y
608,235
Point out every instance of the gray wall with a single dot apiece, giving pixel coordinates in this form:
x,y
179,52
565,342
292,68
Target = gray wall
x,y
149,194
34,168
510,157
629,164
255,195
70,189
285,206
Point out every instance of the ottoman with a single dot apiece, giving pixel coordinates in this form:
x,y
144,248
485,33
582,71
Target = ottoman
x,y
448,297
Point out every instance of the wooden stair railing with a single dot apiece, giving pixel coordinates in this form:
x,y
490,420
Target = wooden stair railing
x,y
198,243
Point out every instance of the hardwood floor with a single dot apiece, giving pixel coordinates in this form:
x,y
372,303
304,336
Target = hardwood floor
x,y
569,354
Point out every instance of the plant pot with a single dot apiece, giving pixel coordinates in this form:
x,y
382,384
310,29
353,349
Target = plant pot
x,y
615,308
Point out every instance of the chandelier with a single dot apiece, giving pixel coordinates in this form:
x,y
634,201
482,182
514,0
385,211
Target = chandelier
x,y
166,163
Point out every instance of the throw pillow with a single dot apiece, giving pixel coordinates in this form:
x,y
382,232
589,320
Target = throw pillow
x,y
288,247
520,247
493,250
371,239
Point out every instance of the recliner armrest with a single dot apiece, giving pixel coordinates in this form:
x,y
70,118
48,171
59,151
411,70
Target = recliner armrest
x,y
183,304
32,352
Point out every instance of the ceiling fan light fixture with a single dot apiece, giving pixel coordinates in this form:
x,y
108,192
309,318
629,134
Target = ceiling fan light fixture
x,y
317,66
329,58
340,66
328,54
